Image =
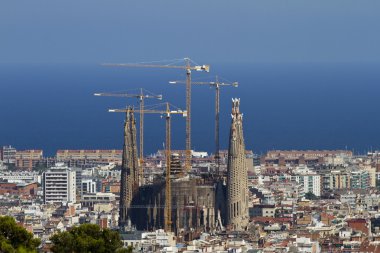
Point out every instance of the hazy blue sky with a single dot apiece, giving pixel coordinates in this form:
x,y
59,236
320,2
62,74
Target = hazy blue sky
x,y
211,30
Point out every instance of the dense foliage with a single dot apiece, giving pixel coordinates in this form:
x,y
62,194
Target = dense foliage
x,y
14,238
87,238
310,196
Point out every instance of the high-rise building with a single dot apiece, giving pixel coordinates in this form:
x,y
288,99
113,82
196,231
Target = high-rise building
x,y
360,179
310,182
372,175
59,184
336,179
237,178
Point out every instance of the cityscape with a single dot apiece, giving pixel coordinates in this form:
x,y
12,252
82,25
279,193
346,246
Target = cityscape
x,y
310,200
199,180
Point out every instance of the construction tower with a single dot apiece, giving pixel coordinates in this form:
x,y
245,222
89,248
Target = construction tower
x,y
129,171
175,167
237,178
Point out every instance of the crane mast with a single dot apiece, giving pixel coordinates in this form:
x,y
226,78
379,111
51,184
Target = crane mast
x,y
168,188
188,119
141,136
168,193
217,84
188,67
216,137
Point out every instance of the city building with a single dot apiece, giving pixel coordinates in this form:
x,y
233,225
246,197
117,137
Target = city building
x,y
310,183
262,210
2,166
110,185
82,157
306,245
59,184
8,154
91,199
360,179
21,176
18,189
372,175
336,179
283,157
28,159
88,186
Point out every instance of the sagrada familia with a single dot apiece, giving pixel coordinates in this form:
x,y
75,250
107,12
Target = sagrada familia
x,y
198,203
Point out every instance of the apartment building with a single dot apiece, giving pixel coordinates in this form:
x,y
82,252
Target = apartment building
x,y
360,179
7,154
28,159
81,157
310,183
59,184
283,157
336,179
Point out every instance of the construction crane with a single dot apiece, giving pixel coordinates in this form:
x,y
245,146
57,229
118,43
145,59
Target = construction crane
x,y
168,194
144,94
216,84
188,68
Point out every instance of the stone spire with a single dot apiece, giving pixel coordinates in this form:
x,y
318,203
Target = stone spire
x,y
133,157
237,178
129,170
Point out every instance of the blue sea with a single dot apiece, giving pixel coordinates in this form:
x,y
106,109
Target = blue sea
x,y
285,106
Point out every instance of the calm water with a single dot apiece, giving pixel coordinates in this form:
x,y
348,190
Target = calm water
x,y
285,106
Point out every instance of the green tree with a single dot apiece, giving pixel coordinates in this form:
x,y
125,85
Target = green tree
x,y
87,238
15,239
378,183
310,196
129,249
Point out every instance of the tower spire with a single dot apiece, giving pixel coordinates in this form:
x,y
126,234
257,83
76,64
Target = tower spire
x,y
129,170
237,179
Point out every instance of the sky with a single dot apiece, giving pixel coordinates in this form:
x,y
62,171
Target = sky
x,y
293,57
96,31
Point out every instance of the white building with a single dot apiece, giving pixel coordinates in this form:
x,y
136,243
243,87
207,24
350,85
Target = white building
x,y
307,245
199,154
59,184
21,177
372,175
349,199
8,154
88,186
159,237
2,166
310,183
91,199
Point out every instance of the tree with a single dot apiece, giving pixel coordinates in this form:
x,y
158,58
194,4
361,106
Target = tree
x,y
310,196
377,183
15,239
87,238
